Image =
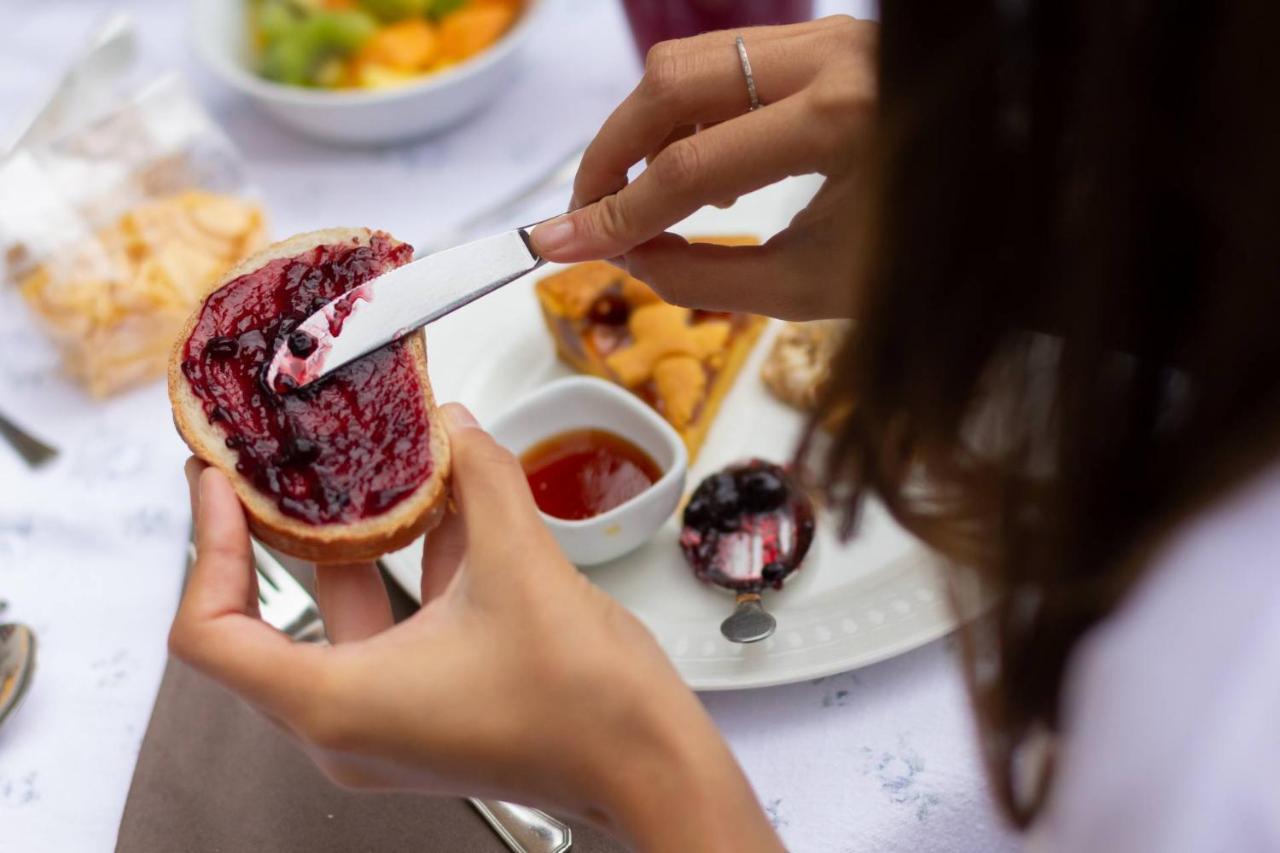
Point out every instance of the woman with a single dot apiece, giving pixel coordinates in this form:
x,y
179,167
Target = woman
x,y
1056,228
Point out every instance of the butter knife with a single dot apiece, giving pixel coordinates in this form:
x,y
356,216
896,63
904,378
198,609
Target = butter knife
x,y
396,303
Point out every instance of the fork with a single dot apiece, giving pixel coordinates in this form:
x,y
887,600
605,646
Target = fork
x,y
283,602
286,605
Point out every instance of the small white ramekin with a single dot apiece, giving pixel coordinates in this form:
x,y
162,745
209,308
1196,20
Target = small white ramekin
x,y
583,402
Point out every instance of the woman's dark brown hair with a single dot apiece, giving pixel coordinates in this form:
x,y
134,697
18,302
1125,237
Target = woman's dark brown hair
x,y
1068,334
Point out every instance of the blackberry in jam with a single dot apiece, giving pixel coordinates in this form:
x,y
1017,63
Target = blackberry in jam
x,y
762,490
747,527
299,451
222,346
301,344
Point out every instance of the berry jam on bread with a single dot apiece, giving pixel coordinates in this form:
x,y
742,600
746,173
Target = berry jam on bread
x,y
349,468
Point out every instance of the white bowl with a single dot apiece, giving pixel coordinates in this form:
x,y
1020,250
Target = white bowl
x,y
358,117
583,402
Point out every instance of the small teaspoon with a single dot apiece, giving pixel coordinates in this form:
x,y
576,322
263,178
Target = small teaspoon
x,y
17,665
749,622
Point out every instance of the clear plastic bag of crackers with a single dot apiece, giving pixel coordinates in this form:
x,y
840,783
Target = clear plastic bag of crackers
x,y
113,229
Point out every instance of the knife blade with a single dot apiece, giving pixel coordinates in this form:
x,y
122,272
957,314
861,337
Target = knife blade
x,y
396,303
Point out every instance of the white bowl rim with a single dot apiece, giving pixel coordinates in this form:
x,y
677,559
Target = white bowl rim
x,y
259,86
678,467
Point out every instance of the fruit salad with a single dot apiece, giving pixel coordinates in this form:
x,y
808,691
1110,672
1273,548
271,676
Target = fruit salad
x,y
371,44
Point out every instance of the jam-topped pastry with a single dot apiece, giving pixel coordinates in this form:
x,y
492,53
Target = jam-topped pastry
x,y
349,467
681,362
746,528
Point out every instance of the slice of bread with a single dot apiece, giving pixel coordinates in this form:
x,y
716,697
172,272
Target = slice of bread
x,y
363,539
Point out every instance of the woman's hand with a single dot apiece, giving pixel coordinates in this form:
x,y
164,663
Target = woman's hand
x,y
518,679
688,117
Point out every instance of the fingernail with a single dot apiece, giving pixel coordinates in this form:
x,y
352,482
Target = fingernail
x,y
459,416
554,235
205,482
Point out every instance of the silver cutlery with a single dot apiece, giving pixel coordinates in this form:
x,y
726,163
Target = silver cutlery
x,y
394,304
32,450
444,277
17,665
285,604
749,622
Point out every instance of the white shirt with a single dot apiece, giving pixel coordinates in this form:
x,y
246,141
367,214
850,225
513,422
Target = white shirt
x,y
1172,715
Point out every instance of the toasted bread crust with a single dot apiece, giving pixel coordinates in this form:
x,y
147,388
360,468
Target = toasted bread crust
x,y
348,542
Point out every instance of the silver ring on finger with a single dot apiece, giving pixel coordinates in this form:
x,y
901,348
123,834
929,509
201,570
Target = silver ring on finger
x,y
752,94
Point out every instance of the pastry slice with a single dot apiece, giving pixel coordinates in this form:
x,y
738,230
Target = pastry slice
x,y
680,361
798,366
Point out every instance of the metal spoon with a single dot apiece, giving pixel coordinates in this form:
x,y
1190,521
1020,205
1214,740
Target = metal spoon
x,y
17,665
770,532
749,622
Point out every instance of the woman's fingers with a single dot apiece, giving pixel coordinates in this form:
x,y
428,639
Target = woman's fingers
x,y
692,81
192,470
221,577
193,467
353,601
214,630
708,276
442,555
727,160
726,278
763,279
674,136
493,498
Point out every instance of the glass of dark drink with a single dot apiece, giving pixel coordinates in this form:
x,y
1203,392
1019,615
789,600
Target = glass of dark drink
x,y
653,21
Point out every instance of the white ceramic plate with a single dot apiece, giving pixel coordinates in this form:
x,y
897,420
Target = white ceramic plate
x,y
850,605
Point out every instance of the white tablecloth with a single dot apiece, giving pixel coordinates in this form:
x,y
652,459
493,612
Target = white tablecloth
x,y
91,548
